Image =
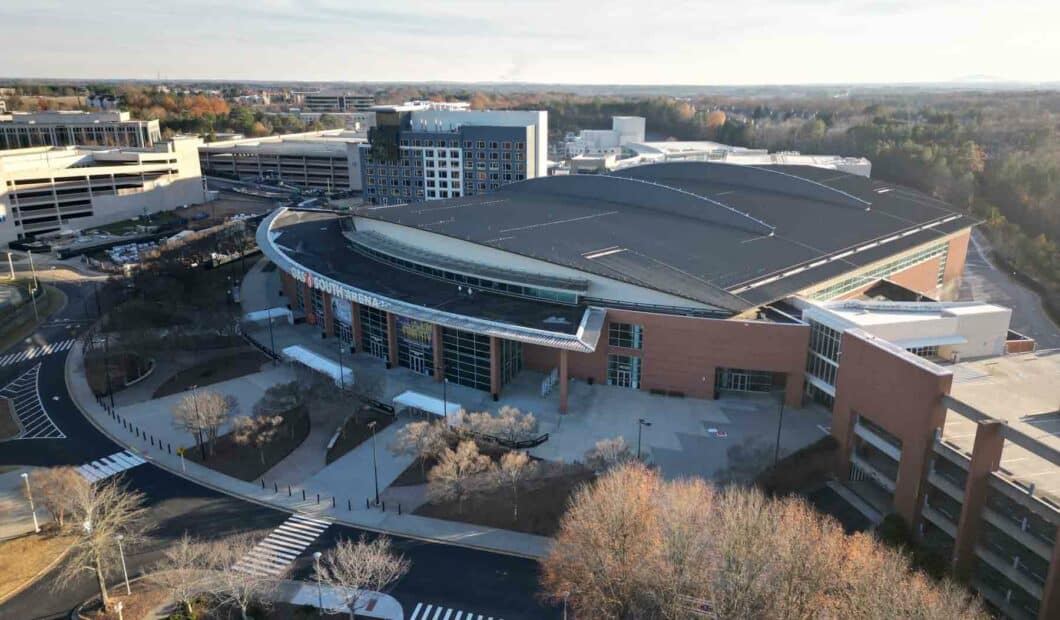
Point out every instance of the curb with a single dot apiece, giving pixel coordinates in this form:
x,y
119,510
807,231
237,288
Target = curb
x,y
176,472
44,571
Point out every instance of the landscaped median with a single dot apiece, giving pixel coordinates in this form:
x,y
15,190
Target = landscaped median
x,y
25,558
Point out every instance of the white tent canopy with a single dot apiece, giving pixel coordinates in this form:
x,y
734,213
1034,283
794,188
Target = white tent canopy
x,y
271,313
319,363
414,400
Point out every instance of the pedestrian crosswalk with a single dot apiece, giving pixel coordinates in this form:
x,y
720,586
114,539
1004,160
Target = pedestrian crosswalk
x,y
280,548
33,420
424,611
110,465
35,352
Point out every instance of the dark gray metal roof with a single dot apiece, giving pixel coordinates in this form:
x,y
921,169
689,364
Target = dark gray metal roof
x,y
726,235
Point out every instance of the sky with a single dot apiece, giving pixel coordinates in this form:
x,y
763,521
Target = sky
x,y
706,42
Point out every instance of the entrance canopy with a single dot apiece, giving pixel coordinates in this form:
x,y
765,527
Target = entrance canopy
x,y
414,400
340,374
271,313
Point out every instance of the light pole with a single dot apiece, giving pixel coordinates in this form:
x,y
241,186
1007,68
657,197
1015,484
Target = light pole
x,y
33,288
272,340
780,422
124,571
320,593
375,468
342,379
641,423
29,496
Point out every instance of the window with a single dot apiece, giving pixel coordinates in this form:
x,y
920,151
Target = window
x,y
374,339
823,360
623,371
467,358
925,352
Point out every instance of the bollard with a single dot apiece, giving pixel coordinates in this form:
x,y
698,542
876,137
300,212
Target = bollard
x,y
263,483
152,441
399,509
288,490
303,495
384,506
349,504
318,498
367,503
332,501
169,447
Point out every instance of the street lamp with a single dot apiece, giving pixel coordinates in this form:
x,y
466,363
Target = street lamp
x,y
124,571
29,496
375,468
641,423
320,593
780,421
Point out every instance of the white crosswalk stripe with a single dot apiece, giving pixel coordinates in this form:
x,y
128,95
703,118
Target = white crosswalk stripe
x,y
35,352
425,611
33,419
109,465
282,546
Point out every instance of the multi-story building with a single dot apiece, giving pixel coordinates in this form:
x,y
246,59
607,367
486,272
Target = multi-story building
x,y
334,101
415,153
321,159
111,128
691,279
45,189
624,130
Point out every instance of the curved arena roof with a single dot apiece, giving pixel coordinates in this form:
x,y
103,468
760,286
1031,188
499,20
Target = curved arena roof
x,y
721,234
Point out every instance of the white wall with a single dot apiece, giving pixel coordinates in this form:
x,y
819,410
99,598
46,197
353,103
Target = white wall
x,y
451,119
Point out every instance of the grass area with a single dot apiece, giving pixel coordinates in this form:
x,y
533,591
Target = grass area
x,y
8,423
245,462
123,367
22,558
25,324
145,597
213,371
355,431
542,502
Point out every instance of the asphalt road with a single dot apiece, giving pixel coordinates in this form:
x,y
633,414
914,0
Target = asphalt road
x,y
453,577
982,281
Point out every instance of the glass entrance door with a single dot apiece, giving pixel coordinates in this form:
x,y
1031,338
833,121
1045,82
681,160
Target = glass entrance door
x,y
345,332
417,364
377,348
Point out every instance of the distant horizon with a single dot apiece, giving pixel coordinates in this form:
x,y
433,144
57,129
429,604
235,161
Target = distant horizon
x,y
680,43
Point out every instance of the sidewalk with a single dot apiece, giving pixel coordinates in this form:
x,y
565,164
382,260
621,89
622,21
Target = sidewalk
x,y
347,509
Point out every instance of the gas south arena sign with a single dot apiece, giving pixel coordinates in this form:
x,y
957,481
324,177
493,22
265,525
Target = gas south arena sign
x,y
335,289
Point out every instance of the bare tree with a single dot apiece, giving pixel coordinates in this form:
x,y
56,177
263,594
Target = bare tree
x,y
458,473
279,399
637,546
424,440
256,432
202,413
103,511
515,468
185,571
57,489
238,585
356,570
509,424
607,453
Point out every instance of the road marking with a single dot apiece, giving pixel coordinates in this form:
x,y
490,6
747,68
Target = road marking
x,y
437,610
109,466
281,547
34,352
32,418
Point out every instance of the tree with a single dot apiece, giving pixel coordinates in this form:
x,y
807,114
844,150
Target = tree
x,y
56,490
256,432
515,468
236,585
509,424
202,413
634,545
424,440
185,571
458,473
607,453
356,570
103,511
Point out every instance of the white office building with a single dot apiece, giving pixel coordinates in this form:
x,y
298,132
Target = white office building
x,y
109,128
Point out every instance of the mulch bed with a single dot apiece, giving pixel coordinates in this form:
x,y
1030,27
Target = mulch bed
x,y
356,431
146,596
244,462
213,371
541,504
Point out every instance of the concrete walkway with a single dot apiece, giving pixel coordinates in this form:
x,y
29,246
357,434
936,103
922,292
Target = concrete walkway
x,y
336,504
352,473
